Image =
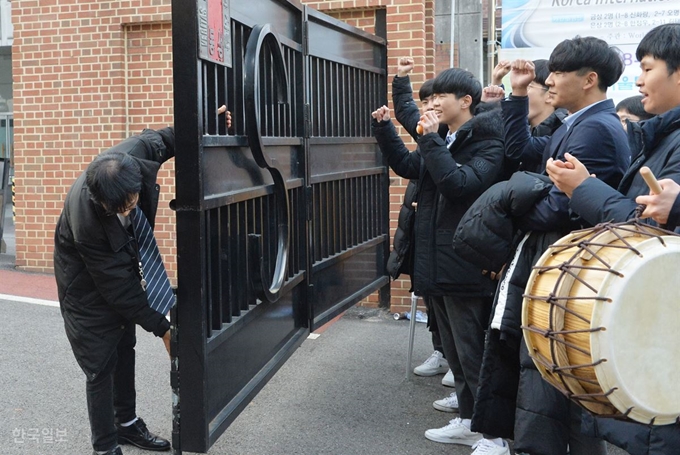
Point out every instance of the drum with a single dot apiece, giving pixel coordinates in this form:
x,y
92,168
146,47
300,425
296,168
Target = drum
x,y
601,319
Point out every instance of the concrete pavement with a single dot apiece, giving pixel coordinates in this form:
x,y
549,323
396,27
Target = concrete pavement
x,y
344,392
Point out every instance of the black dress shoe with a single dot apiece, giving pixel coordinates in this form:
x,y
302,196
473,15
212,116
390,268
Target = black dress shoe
x,y
138,435
116,451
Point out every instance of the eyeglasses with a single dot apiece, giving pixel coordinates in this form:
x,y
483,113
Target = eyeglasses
x,y
539,87
129,208
132,204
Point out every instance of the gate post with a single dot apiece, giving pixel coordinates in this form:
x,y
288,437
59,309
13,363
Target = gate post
x,y
385,292
190,312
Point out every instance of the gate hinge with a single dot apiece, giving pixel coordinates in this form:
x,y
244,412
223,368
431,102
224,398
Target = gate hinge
x,y
305,38
309,195
307,115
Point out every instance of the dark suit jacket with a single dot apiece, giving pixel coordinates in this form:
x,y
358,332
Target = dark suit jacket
x,y
524,145
597,139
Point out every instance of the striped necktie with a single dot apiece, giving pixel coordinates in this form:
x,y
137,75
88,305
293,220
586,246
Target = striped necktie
x,y
154,277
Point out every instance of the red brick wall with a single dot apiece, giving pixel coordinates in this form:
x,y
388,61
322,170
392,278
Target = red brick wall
x,y
150,101
87,74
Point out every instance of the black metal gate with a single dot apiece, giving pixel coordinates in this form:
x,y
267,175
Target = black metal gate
x,y
282,221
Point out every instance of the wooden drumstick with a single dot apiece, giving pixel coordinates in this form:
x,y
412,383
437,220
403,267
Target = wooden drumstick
x,y
650,180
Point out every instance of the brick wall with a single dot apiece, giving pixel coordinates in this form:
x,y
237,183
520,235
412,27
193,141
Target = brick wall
x,y
87,74
150,101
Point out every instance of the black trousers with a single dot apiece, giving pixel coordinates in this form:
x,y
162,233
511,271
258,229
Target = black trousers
x,y
111,395
546,421
432,325
463,342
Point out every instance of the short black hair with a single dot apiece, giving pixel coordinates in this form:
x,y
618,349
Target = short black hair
x,y
583,54
663,43
459,82
541,70
633,104
426,90
113,179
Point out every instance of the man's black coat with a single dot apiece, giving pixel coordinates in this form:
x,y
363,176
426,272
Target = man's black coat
x,y
95,261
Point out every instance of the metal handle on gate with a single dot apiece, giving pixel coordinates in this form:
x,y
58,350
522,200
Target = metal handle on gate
x,y
258,36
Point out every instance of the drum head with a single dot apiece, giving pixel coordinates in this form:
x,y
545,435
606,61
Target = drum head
x,y
641,336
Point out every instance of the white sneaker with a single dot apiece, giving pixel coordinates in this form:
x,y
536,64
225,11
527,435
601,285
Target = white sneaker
x,y
454,433
448,404
435,364
486,447
448,380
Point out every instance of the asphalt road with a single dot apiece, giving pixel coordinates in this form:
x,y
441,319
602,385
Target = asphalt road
x,y
345,392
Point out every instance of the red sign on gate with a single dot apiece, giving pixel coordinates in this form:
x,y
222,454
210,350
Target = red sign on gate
x,y
214,30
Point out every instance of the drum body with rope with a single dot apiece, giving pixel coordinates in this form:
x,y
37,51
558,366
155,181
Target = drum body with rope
x,y
601,320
